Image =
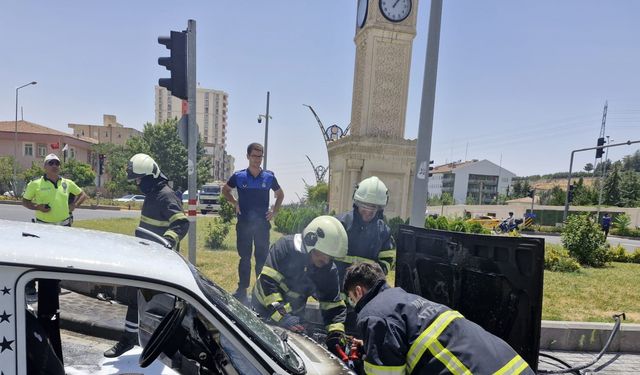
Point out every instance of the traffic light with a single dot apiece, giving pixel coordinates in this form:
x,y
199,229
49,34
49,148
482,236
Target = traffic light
x,y
600,151
570,192
531,193
430,168
176,64
101,164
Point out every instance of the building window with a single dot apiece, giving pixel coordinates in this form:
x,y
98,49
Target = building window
x,y
42,150
28,149
73,153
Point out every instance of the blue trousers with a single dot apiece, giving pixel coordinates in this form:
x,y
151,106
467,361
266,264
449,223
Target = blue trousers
x,y
250,233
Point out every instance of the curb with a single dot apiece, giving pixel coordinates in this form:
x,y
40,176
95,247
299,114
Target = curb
x,y
91,207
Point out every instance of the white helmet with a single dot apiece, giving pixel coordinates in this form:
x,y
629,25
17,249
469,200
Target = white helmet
x,y
371,191
327,235
141,165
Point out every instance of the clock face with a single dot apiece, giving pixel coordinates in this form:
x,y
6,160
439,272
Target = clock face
x,y
363,5
395,10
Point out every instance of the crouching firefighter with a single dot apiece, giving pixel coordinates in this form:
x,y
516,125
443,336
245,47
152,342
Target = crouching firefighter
x,y
299,266
404,333
161,214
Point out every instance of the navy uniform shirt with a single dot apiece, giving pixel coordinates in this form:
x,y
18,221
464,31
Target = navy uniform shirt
x,y
253,193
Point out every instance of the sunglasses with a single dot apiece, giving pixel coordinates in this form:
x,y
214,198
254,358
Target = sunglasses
x,y
53,162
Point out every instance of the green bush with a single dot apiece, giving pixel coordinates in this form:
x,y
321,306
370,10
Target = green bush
x,y
621,224
618,254
227,210
293,219
557,259
442,223
585,241
217,231
395,223
635,256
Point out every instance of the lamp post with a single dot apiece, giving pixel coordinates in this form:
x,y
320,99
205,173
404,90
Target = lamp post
x,y
604,173
266,118
15,141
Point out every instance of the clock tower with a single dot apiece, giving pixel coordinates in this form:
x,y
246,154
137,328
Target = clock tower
x,y
384,34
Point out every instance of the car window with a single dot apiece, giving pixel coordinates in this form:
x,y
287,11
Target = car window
x,y
214,189
250,322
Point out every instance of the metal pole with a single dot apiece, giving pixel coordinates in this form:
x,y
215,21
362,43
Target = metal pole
x,y
266,134
192,169
15,143
604,174
566,199
423,148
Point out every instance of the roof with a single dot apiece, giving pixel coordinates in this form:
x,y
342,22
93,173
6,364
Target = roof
x,y
451,166
33,128
67,248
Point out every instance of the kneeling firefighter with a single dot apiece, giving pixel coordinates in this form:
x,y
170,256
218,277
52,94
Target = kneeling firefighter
x,y
299,266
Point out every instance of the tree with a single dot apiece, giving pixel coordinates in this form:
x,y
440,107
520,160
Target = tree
x,y
80,173
6,173
318,194
631,162
584,240
588,167
517,189
630,189
36,170
611,189
554,197
581,194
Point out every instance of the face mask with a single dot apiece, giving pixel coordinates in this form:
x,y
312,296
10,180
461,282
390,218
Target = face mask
x,y
147,184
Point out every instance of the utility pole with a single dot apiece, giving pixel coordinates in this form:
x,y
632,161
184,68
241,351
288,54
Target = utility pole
x,y
266,133
604,175
425,128
602,130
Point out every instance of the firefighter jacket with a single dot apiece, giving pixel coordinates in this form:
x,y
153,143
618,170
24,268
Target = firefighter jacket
x,y
368,242
162,213
406,334
289,278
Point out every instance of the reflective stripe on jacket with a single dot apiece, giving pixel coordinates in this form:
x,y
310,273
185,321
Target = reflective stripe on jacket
x,y
290,278
162,213
368,242
407,334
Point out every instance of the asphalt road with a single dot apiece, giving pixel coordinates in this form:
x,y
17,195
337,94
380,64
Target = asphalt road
x,y
19,213
628,244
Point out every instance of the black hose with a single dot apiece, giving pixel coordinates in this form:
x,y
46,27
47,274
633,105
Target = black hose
x,y
614,331
568,366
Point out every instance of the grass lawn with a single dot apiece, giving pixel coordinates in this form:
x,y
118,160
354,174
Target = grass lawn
x,y
591,295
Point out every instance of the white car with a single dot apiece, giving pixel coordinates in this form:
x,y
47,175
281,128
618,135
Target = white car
x,y
208,326
131,198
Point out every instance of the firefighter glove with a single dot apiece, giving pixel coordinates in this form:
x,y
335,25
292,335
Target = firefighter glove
x,y
291,322
336,341
171,243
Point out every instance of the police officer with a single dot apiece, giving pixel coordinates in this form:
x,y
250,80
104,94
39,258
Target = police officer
x,y
406,334
49,195
253,212
369,236
299,266
161,214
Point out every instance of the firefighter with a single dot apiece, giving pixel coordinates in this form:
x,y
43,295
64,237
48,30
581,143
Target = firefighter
x,y
406,334
369,236
161,214
299,266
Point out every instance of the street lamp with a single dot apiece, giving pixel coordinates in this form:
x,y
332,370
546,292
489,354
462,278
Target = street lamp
x,y
266,118
604,172
15,141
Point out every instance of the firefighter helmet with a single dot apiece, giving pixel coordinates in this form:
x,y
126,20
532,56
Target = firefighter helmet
x,y
371,191
141,165
327,235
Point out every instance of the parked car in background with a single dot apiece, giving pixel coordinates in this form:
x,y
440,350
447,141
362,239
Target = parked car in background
x,y
487,222
209,198
130,198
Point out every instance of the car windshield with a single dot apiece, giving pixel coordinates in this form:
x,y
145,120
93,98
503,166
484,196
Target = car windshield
x,y
129,196
250,323
214,189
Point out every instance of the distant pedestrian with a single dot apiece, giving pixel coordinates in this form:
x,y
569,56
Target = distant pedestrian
x,y
253,212
606,224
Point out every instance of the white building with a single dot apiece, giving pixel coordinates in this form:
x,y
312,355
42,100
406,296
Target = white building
x,y
474,181
211,117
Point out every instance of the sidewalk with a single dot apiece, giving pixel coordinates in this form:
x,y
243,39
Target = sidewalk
x,y
572,342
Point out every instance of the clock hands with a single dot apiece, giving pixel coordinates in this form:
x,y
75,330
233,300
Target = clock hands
x,y
396,3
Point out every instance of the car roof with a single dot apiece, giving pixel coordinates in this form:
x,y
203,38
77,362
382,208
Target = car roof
x,y
64,248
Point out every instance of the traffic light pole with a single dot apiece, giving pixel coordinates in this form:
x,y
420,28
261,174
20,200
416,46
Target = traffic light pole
x,y
566,201
192,170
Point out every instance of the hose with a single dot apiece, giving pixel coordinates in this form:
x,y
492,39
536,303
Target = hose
x,y
614,331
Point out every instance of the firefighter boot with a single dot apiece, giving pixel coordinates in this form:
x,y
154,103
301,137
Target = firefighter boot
x,y
127,341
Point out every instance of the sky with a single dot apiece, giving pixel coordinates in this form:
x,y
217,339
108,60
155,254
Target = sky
x,y
519,83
